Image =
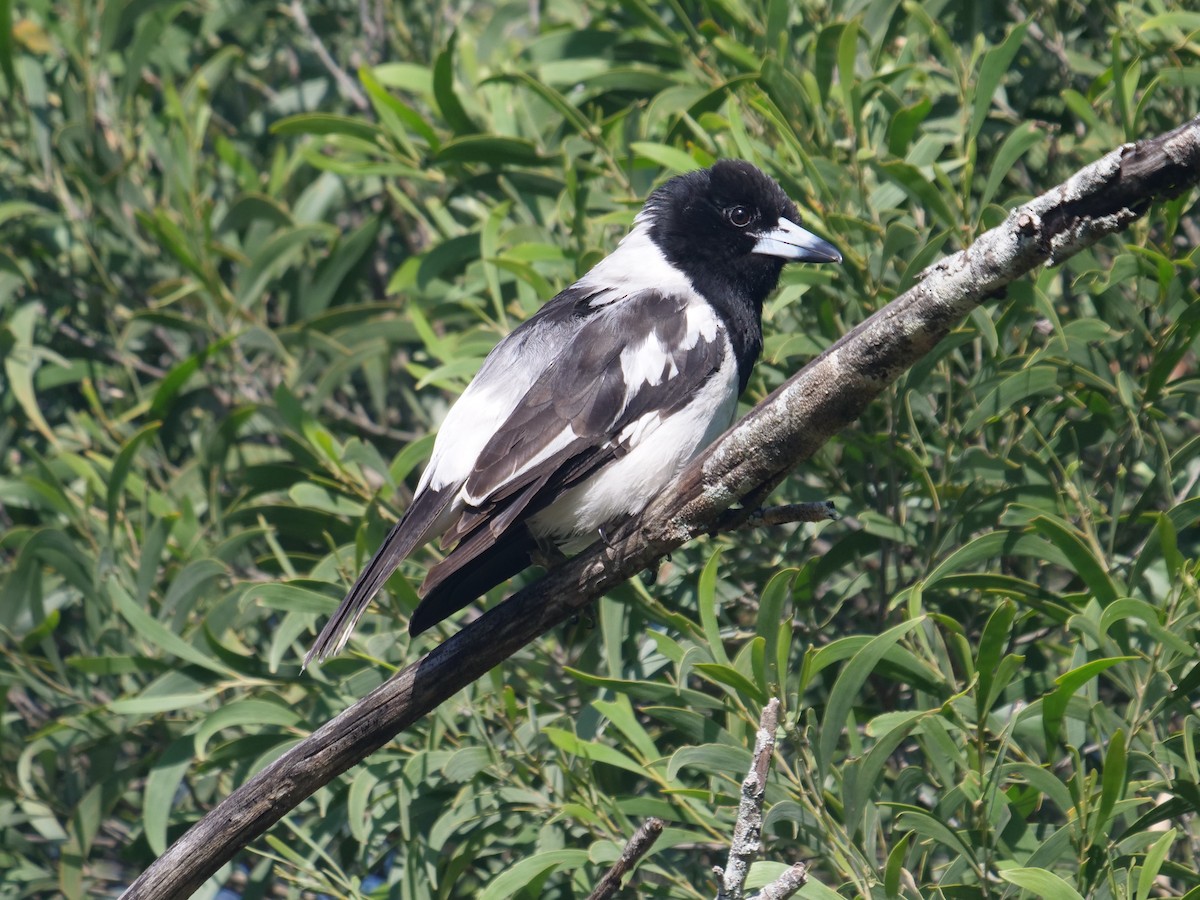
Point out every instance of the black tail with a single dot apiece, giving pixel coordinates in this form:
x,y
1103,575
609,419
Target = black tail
x,y
412,529
455,582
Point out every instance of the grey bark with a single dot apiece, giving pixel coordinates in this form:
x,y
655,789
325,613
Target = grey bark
x,y
746,844
637,846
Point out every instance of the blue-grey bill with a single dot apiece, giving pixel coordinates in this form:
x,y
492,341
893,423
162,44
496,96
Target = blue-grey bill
x,y
789,241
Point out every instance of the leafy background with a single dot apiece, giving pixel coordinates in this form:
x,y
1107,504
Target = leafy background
x,y
249,252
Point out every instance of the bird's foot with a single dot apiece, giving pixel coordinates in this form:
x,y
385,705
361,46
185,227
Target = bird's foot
x,y
546,553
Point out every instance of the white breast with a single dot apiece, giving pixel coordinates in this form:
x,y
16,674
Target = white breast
x,y
659,450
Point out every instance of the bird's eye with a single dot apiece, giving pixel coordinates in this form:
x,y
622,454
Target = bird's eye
x,y
739,216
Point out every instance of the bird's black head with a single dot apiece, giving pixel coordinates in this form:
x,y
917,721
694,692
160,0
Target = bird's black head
x,y
730,228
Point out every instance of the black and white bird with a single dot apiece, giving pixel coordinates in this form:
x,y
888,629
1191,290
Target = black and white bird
x,y
593,405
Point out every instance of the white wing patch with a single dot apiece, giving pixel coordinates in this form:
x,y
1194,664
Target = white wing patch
x,y
647,362
650,362
659,448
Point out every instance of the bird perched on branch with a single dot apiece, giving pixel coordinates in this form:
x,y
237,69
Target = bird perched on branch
x,y
592,406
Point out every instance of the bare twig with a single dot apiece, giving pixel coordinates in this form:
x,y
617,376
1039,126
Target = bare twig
x,y
783,431
786,884
345,83
643,839
747,832
1054,47
789,513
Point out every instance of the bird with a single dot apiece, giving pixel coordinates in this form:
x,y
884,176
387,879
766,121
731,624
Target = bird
x,y
590,407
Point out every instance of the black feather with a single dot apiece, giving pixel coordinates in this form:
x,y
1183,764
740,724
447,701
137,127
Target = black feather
x,y
453,587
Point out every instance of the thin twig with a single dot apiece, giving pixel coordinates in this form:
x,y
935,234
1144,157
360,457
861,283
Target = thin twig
x,y
786,884
789,513
747,832
1055,48
349,89
643,839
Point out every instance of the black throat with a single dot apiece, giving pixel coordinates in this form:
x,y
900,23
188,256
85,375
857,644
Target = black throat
x,y
736,287
742,314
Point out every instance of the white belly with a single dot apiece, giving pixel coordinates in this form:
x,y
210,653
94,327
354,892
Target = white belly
x,y
660,449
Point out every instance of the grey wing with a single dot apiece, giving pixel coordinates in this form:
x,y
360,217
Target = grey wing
x,y
574,376
640,357
509,370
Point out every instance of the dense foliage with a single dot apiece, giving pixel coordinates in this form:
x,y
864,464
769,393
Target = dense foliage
x,y
250,251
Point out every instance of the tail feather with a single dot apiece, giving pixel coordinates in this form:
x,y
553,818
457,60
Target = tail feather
x,y
413,529
454,583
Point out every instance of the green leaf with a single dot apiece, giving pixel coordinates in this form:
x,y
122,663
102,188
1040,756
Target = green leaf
x,y
621,713
326,124
292,597
1054,706
1042,883
669,158
121,467
162,784
1155,856
1084,562
904,126
706,598
862,777
731,678
251,713
591,750
920,189
6,49
1011,394
894,866
158,703
845,690
348,253
22,361
358,801
525,872
768,626
276,255
1015,145
444,93
150,629
15,209
934,828
179,375
992,644
491,149
711,759
400,118
996,64
1184,22
410,457
466,763
1112,784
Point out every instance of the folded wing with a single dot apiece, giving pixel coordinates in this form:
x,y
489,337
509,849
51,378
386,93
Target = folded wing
x,y
631,366
606,371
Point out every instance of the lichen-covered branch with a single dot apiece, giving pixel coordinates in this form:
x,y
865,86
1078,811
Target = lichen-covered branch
x,y
747,832
786,884
781,433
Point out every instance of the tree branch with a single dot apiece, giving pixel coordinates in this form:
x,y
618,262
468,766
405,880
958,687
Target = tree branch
x,y
748,461
747,832
788,514
643,839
